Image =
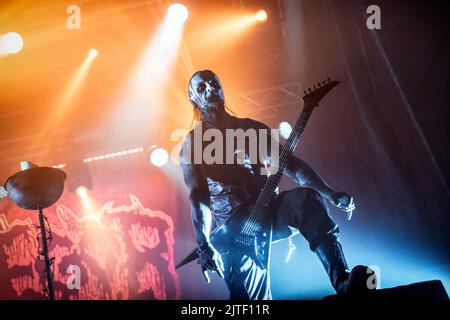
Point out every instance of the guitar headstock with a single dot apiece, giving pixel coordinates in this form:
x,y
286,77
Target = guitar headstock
x,y
312,96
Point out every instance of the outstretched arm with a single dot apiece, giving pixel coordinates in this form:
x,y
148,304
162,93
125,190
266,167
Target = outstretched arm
x,y
199,201
305,176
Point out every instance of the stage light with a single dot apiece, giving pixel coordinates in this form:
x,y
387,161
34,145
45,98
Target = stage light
x,y
261,16
285,129
157,65
114,154
69,94
88,207
82,191
11,43
79,178
225,30
93,53
177,13
159,157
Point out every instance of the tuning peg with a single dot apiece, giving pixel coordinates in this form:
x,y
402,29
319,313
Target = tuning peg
x,y
314,87
309,89
328,80
319,84
304,92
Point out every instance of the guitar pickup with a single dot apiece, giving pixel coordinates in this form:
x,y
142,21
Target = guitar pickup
x,y
246,241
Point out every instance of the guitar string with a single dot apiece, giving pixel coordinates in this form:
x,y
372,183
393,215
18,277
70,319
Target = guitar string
x,y
267,197
256,215
275,180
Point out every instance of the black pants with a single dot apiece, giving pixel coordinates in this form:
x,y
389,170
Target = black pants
x,y
302,209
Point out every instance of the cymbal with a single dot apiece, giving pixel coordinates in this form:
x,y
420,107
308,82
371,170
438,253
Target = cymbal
x,y
36,187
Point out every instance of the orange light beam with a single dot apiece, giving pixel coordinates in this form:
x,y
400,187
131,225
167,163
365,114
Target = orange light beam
x,y
70,93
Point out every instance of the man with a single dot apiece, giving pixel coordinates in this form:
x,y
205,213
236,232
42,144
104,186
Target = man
x,y
218,189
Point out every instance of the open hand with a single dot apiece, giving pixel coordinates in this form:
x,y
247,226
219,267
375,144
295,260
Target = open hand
x,y
211,260
344,202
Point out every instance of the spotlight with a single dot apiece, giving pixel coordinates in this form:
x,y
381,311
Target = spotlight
x,y
261,16
10,43
82,191
79,179
159,157
177,13
93,53
285,129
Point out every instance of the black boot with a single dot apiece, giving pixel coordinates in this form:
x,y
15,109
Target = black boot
x,y
330,254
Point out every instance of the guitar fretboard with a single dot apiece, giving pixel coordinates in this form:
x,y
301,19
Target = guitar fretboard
x,y
268,190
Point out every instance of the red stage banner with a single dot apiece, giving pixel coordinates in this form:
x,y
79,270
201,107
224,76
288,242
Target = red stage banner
x,y
116,244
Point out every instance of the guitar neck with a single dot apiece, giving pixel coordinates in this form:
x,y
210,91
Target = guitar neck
x,y
288,149
311,99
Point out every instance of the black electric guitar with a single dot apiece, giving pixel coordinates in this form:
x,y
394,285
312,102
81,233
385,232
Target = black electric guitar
x,y
252,231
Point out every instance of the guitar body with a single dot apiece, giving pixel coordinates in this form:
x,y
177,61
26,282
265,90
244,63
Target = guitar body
x,y
240,234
